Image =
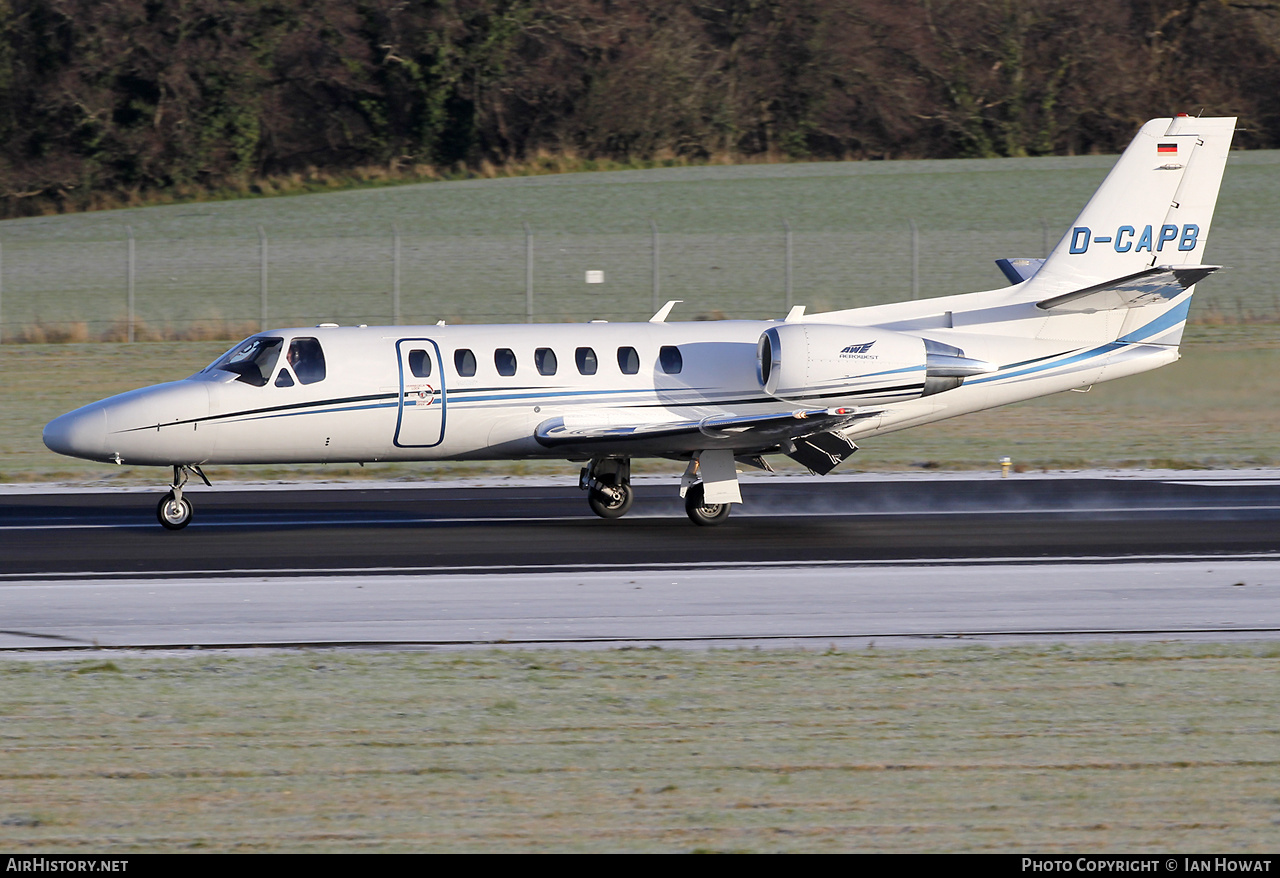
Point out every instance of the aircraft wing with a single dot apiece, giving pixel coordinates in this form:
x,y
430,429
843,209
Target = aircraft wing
x,y
740,433
1157,284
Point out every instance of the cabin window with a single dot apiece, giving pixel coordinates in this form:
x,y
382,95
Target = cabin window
x,y
307,359
670,360
465,362
504,360
628,361
586,358
420,364
545,360
252,361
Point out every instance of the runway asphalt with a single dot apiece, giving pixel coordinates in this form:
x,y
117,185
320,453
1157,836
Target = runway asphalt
x,y
533,526
846,560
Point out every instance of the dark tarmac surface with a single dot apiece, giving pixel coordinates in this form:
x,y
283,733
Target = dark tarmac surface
x,y
855,561
514,528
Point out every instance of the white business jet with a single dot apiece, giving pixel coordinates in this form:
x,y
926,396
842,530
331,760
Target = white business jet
x,y
1111,300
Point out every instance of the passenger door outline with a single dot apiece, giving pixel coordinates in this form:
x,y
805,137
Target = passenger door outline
x,y
420,419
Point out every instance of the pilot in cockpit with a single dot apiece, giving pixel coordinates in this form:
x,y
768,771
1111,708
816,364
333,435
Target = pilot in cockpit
x,y
307,360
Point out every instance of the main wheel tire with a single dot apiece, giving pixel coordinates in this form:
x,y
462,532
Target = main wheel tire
x,y
702,513
610,505
173,513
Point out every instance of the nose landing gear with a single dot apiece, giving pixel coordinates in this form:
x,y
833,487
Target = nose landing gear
x,y
175,511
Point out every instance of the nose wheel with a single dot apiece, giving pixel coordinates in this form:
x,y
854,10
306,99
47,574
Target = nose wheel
x,y
175,511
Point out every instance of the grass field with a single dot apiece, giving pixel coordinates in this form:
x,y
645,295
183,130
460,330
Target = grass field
x,y
1212,409
1088,749
330,257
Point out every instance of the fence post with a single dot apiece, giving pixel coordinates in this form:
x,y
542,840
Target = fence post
x,y
787,229
1,294
1044,233
129,232
262,274
657,285
915,260
528,273
395,278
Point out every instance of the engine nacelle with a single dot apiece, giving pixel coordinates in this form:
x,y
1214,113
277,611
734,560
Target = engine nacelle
x,y
833,365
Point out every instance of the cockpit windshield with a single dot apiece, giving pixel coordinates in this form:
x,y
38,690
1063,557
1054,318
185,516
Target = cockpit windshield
x,y
252,360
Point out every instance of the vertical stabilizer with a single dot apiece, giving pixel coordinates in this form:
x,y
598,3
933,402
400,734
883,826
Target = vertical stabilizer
x,y
1153,209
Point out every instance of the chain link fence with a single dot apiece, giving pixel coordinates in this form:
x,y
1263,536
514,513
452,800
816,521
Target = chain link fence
x,y
121,283
138,287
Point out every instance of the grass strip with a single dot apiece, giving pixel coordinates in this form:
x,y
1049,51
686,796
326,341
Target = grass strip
x,y
1104,747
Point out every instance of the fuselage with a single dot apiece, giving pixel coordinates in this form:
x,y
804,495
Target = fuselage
x,y
481,392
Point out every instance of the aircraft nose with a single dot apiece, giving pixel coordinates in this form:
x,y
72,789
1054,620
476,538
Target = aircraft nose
x,y
82,433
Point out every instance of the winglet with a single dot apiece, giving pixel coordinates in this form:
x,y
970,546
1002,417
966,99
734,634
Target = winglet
x,y
661,316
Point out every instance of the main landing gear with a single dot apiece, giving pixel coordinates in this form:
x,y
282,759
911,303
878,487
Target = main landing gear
x,y
708,487
701,512
175,511
608,486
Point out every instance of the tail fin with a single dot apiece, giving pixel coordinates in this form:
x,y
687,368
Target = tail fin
x,y
1136,249
1154,208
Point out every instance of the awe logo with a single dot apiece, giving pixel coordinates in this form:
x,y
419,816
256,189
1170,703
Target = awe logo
x,y
856,349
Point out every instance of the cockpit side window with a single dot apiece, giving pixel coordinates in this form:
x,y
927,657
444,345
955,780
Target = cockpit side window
x,y
253,360
307,359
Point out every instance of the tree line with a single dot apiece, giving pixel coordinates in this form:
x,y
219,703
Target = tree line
x,y
134,97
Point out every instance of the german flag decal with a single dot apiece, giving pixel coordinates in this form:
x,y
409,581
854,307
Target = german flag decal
x,y
1167,148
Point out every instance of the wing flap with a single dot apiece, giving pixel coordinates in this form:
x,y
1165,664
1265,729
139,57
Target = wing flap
x,y
739,433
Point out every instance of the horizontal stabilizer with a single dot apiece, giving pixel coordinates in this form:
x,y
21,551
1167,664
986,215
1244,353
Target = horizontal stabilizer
x,y
1158,284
